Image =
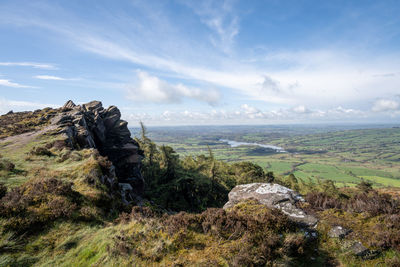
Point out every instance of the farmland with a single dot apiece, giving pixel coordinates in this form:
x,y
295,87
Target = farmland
x,y
344,154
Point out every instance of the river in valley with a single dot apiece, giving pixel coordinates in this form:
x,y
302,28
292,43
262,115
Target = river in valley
x,y
236,144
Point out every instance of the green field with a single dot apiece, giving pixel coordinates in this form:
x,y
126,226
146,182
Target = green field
x,y
344,154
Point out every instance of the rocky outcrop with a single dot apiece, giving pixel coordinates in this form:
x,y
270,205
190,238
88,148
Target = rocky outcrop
x,y
91,126
273,196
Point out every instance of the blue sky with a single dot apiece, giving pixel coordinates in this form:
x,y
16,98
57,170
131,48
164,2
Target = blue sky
x,y
205,62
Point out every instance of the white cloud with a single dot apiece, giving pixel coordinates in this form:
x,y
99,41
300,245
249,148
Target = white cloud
x,y
247,114
30,64
8,83
251,112
220,17
319,78
152,89
135,118
385,105
301,109
337,80
271,85
49,77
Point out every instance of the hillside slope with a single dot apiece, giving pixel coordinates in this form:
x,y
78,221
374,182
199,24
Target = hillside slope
x,y
77,190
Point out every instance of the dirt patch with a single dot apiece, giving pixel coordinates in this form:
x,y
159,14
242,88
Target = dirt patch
x,y
20,140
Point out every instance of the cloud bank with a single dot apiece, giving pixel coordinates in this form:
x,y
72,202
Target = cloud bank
x,y
8,83
204,62
30,64
385,105
49,77
7,105
152,89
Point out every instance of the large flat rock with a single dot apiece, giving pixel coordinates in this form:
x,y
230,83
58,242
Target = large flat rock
x,y
273,196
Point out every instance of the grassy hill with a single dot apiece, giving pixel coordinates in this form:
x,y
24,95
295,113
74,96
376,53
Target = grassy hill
x,y
56,211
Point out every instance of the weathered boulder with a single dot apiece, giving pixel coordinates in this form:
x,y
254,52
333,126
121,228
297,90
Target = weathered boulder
x,y
358,249
273,196
338,232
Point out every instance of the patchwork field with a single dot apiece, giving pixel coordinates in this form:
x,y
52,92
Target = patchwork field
x,y
344,154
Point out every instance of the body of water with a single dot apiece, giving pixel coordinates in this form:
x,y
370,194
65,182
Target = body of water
x,y
236,144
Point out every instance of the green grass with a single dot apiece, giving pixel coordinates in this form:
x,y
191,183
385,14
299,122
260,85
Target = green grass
x,y
383,181
327,172
278,167
342,156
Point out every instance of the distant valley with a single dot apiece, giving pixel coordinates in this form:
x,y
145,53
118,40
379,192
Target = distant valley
x,y
345,154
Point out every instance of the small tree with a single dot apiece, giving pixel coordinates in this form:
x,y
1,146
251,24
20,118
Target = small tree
x,y
248,172
365,186
169,162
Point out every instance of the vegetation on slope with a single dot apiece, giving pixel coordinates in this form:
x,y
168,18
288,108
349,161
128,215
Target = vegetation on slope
x,y
22,122
193,183
54,211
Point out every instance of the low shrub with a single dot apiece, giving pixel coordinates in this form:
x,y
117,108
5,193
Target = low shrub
x,y
57,144
233,223
41,151
36,203
370,201
6,165
373,217
249,235
247,172
3,190
87,213
14,123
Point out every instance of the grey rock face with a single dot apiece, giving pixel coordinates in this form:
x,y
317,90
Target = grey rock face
x,y
69,105
92,106
91,126
359,250
126,192
338,232
273,196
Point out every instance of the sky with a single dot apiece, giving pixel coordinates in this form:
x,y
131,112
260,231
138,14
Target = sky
x,y
205,62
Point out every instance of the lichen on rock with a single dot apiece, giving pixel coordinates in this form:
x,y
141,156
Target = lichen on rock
x,y
273,196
